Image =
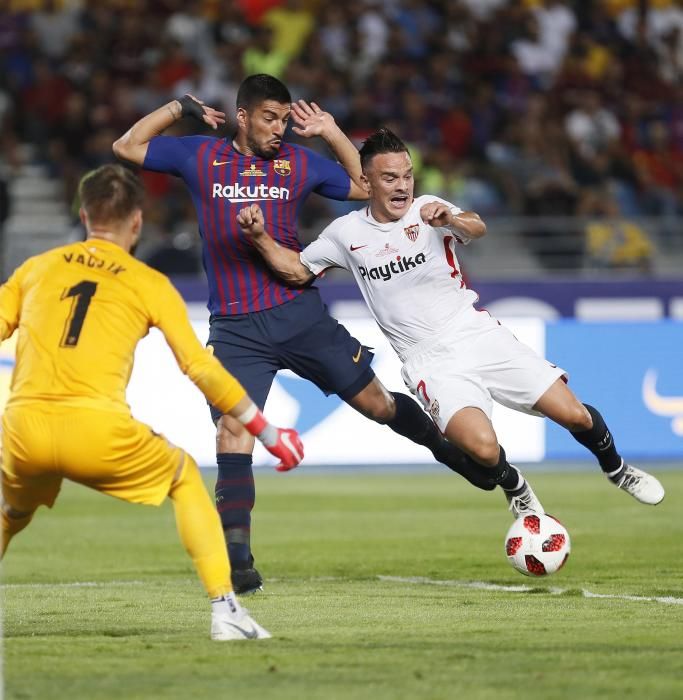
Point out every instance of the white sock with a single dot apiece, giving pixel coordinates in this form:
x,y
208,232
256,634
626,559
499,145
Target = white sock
x,y
520,481
226,604
610,475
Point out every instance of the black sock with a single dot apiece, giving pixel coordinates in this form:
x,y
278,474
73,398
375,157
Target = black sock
x,y
460,462
507,476
600,442
502,474
413,423
235,496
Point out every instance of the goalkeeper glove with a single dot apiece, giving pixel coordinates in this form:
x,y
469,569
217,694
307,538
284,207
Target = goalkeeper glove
x,y
283,443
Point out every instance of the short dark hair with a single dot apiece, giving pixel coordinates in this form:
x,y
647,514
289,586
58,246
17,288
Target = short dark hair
x,y
261,87
110,194
382,141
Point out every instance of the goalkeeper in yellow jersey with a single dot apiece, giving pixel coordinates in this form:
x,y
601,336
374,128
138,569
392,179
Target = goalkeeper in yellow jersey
x,y
80,310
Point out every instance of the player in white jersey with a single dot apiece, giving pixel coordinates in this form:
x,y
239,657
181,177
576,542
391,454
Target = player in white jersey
x,y
456,360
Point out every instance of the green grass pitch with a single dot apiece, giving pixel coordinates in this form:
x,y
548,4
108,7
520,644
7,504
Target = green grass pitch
x,y
99,600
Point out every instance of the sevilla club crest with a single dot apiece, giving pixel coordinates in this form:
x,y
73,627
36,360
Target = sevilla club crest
x,y
282,167
412,232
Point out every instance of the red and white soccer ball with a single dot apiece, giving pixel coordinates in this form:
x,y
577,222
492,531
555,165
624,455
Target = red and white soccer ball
x,y
537,545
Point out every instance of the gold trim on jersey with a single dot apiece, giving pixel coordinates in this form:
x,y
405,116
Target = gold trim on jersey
x,y
252,171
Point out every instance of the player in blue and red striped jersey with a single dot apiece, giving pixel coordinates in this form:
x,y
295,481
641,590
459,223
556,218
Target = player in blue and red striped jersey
x,y
260,324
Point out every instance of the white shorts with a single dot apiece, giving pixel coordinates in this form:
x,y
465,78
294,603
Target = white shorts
x,y
474,363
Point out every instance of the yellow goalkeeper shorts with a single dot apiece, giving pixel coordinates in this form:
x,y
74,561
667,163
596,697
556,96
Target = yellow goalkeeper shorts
x,y
108,451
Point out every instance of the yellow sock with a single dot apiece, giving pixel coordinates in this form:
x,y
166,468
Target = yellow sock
x,y
200,530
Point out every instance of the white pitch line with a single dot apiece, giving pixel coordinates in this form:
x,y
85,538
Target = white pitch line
x,y
421,580
483,586
72,584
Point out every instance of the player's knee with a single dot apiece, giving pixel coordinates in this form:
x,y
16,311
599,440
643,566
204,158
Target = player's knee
x,y
485,449
13,514
381,409
375,402
232,437
577,419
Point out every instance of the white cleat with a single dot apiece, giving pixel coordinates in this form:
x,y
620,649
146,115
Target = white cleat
x,y
524,502
641,485
230,621
226,627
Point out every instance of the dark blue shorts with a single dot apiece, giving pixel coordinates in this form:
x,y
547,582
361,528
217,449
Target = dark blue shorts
x,y
299,335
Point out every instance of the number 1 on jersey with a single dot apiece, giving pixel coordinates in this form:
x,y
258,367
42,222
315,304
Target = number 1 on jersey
x,y
81,295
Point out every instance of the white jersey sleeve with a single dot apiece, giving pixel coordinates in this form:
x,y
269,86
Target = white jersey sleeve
x,y
459,235
324,252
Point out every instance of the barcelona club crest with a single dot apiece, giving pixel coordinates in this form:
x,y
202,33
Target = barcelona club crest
x,y
412,232
282,167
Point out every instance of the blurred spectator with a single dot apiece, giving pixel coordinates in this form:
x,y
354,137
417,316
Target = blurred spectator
x,y
230,26
483,9
373,33
655,21
188,26
456,133
291,25
670,55
592,128
523,107
556,23
537,57
613,241
419,23
261,57
335,36
173,65
43,101
207,83
6,101
458,183
593,132
659,167
54,26
130,50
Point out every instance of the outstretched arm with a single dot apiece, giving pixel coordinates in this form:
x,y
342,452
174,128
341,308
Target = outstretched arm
x,y
284,262
311,121
468,223
132,146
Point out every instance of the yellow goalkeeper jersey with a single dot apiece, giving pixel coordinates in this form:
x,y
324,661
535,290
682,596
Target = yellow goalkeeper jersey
x,y
80,310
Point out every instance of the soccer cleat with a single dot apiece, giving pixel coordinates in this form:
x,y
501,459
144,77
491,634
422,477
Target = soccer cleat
x,y
524,502
227,627
641,485
246,581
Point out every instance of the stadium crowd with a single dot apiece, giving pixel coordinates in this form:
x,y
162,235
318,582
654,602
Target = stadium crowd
x,y
511,107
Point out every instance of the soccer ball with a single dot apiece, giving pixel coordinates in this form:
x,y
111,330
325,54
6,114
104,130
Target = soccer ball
x,y
537,545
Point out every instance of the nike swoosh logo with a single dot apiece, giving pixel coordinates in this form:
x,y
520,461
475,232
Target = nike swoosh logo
x,y
248,633
356,357
358,247
222,162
